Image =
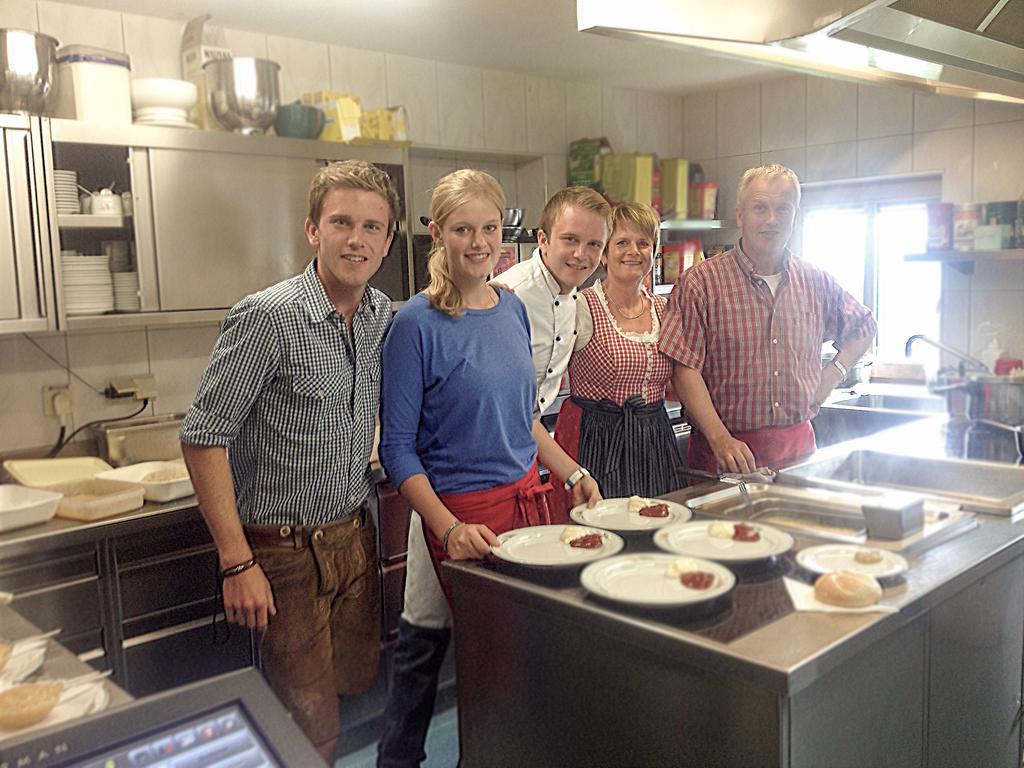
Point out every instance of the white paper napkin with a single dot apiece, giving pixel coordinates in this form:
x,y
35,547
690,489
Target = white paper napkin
x,y
803,599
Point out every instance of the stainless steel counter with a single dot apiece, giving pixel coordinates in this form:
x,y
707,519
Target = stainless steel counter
x,y
786,650
788,688
59,662
60,531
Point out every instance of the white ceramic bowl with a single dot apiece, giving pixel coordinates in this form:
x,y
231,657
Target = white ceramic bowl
x,y
148,92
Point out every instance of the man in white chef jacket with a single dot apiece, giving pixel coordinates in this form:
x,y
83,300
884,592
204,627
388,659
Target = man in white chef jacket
x,y
574,227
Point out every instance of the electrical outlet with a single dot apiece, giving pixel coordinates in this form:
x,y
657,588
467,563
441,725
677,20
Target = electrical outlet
x,y
57,401
141,386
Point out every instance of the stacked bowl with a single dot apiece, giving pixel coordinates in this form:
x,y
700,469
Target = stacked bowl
x,y
163,101
88,288
65,187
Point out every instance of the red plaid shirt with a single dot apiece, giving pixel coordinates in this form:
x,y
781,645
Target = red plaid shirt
x,y
759,355
613,366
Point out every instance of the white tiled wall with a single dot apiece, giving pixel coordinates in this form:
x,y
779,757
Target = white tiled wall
x,y
176,357
824,129
833,130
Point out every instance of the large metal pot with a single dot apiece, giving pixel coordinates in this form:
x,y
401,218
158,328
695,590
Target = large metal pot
x,y
243,93
28,62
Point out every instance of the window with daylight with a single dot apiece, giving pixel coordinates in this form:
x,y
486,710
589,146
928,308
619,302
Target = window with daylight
x,y
862,242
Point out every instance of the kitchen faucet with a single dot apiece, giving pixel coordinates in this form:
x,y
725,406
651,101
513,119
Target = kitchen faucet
x,y
972,361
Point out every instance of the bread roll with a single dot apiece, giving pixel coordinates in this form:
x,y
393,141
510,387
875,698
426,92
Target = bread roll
x,y
848,589
24,705
5,655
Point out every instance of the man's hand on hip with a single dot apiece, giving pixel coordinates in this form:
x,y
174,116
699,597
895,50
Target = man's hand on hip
x,y
248,599
732,455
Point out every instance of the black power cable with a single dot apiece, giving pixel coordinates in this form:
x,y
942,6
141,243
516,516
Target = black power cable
x,y
63,441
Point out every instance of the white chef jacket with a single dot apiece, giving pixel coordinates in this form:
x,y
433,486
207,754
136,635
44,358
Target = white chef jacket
x,y
552,331
552,323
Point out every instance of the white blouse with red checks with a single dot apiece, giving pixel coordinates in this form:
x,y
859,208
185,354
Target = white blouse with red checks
x,y
615,364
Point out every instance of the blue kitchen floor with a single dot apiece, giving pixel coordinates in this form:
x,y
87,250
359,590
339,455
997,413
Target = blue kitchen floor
x,y
442,745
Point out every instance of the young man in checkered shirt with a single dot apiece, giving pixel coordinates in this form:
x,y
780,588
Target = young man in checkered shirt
x,y
745,330
278,443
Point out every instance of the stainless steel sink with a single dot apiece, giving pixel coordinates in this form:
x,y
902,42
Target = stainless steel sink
x,y
926,403
977,486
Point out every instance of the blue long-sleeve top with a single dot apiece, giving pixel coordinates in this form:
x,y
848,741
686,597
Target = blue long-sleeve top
x,y
457,396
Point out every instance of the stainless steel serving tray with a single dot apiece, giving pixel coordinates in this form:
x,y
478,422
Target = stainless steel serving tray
x,y
975,486
831,514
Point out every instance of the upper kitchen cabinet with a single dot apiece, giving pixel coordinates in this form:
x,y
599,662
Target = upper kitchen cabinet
x,y
26,293
215,216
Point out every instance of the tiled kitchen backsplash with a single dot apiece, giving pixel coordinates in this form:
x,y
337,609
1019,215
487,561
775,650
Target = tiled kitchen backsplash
x,y
175,356
824,129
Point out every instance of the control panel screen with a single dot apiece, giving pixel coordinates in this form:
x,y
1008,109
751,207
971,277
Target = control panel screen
x,y
224,737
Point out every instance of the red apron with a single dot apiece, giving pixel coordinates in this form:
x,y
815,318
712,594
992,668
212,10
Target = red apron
x,y
514,505
567,435
772,446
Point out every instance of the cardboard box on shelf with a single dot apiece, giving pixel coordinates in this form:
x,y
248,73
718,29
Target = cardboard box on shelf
x,y
200,43
675,185
585,162
628,178
342,114
703,200
387,124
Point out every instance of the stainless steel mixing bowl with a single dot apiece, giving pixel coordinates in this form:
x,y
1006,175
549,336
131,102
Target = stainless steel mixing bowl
x,y
244,93
28,69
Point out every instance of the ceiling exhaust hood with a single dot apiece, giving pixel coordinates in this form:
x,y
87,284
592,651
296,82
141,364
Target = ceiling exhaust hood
x,y
972,48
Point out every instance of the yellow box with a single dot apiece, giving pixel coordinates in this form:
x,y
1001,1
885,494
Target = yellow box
x,y
628,178
387,124
342,114
675,186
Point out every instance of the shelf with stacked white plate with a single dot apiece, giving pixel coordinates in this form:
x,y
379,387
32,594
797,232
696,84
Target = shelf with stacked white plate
x,y
88,287
92,221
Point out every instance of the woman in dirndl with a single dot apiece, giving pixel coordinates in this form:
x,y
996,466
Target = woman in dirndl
x,y
615,422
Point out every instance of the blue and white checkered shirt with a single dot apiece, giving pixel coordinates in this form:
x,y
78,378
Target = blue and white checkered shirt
x,y
293,402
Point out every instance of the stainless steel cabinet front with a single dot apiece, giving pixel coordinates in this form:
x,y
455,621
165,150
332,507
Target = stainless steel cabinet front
x,y
24,250
226,225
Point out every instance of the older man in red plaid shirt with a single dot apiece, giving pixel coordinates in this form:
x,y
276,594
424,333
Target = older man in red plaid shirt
x,y
745,330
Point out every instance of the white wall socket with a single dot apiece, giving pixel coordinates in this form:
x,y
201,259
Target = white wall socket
x,y
57,402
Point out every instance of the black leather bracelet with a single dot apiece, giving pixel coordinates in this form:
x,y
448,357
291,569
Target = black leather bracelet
x,y
448,533
234,570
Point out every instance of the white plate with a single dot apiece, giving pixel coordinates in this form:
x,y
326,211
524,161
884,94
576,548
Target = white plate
x,y
167,123
542,546
77,701
840,557
692,539
26,657
642,579
613,515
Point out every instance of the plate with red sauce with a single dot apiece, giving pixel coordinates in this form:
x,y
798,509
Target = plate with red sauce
x,y
614,515
747,542
542,546
648,579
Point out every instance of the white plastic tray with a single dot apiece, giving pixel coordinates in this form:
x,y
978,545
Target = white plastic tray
x,y
21,506
166,490
95,498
